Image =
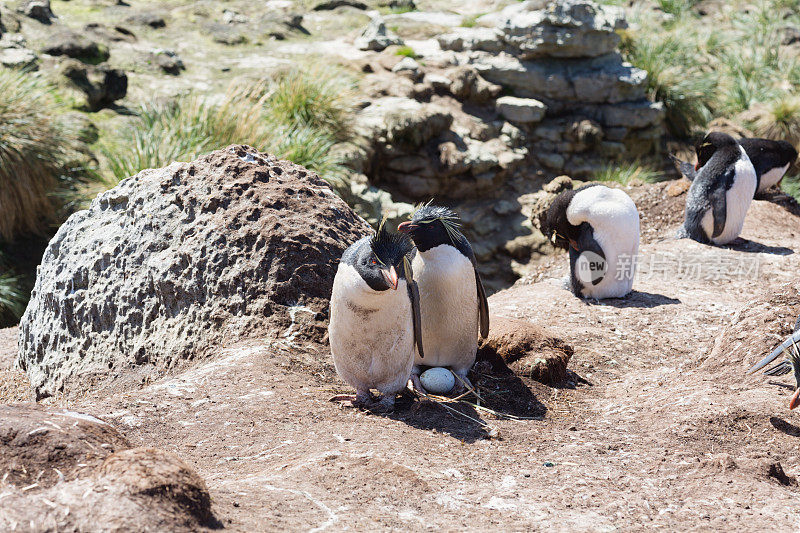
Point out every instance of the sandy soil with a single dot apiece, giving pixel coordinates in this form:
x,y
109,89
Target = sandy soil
x,y
656,427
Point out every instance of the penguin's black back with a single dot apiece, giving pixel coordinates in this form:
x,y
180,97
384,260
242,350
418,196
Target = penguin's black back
x,y
766,154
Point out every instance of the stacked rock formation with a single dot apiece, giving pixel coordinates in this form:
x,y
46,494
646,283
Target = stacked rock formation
x,y
578,102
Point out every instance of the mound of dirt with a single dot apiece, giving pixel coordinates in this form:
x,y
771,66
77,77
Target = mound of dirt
x,y
527,349
755,330
42,446
176,260
69,471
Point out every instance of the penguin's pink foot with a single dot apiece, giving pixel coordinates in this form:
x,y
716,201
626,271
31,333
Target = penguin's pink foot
x,y
416,384
363,399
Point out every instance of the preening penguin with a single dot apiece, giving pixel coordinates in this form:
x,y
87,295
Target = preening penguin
x,y
771,159
721,191
375,318
600,228
790,364
452,297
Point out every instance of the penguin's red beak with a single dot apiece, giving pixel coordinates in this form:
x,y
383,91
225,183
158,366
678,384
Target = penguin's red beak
x,y
391,277
407,227
697,166
795,401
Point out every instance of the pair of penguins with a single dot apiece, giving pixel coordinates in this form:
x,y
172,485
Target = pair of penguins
x,y
404,300
605,221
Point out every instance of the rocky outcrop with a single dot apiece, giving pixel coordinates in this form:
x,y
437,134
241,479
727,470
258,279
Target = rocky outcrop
x,y
564,54
176,260
69,471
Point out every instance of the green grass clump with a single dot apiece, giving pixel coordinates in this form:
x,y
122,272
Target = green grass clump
x,y
406,51
791,186
12,300
625,173
36,151
471,20
298,116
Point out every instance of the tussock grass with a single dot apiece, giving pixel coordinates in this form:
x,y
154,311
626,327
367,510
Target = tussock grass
x,y
735,71
12,299
626,173
35,150
298,116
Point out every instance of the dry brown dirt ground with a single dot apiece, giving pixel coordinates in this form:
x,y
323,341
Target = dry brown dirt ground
x,y
657,426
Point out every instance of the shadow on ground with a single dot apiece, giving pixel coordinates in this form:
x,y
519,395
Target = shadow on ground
x,y
639,299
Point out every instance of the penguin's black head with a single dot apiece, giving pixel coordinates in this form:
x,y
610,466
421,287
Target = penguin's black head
x,y
554,224
432,225
379,259
787,152
712,142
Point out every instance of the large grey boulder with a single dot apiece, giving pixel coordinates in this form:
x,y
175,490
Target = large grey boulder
x,y
173,262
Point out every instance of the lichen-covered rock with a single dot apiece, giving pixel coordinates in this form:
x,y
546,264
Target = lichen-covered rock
x,y
525,110
174,261
69,471
376,37
71,44
37,9
19,58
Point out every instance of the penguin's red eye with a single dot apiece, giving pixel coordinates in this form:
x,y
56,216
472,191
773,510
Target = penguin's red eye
x,y
373,262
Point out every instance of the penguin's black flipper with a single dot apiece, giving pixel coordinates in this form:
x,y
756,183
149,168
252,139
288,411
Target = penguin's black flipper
x,y
463,246
416,315
775,353
586,243
483,305
719,206
687,169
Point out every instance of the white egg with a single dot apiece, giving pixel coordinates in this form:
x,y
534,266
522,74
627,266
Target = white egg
x,y
437,380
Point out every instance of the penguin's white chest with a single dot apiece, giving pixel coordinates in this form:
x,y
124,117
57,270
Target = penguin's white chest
x,y
770,178
738,199
371,333
449,307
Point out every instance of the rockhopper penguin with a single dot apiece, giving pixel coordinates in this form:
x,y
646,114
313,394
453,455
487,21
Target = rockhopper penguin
x,y
721,191
790,364
452,297
771,159
600,228
375,318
